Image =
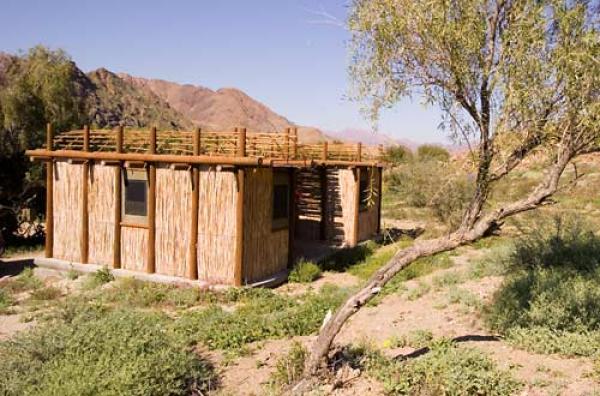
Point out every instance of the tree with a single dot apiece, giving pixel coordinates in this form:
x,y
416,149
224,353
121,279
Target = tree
x,y
513,77
35,88
428,152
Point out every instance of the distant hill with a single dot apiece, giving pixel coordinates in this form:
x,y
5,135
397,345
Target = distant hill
x,y
223,109
112,100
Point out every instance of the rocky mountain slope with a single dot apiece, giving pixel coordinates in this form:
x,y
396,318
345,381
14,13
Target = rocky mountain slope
x,y
222,109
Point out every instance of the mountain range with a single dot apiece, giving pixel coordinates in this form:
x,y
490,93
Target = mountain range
x,y
138,102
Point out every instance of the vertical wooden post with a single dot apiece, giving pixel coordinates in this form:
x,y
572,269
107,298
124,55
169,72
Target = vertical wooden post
x,y
324,198
118,203
151,265
49,194
292,218
356,207
359,151
325,151
294,143
239,235
379,197
286,154
192,267
85,240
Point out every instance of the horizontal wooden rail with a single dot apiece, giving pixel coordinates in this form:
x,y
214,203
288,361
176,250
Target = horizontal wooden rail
x,y
133,157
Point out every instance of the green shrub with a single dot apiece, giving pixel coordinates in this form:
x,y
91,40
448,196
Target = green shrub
x,y
99,278
345,258
45,293
557,242
414,339
72,274
258,318
445,370
398,154
122,352
6,301
438,186
428,152
550,300
304,272
24,282
290,367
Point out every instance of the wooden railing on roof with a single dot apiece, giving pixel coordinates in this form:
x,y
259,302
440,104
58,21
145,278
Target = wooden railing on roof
x,y
268,146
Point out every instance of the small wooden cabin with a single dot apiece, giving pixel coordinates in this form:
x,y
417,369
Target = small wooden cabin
x,y
218,207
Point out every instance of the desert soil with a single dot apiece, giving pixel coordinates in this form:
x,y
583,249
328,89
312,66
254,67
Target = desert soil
x,y
394,316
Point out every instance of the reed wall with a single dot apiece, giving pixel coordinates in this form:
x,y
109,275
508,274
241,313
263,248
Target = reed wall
x,y
216,225
134,248
265,249
343,219
68,180
101,212
367,219
173,220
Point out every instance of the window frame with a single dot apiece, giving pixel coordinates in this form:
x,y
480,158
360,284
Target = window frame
x,y
280,178
137,175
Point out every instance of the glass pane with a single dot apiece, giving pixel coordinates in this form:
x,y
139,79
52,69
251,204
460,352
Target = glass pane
x,y
280,201
136,198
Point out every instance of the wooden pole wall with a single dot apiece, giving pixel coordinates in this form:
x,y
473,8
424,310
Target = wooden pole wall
x,y
356,207
292,218
192,265
239,236
294,143
49,251
379,198
324,198
85,224
118,204
151,264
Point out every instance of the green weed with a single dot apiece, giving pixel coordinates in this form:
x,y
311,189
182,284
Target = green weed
x,y
290,367
304,272
98,278
445,369
121,352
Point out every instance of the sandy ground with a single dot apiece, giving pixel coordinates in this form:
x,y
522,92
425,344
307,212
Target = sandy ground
x,y
396,315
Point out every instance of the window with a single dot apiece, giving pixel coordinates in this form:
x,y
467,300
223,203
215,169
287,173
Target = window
x,y
281,199
365,188
135,196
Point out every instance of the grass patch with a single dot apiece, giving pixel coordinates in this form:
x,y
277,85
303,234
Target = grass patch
x,y
447,279
45,293
98,278
6,301
420,267
345,258
268,316
414,339
419,291
24,282
304,272
120,352
290,367
446,369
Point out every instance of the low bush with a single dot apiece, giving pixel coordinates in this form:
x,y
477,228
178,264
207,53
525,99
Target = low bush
x,y
398,154
121,352
304,272
345,258
445,369
290,367
434,185
45,293
98,278
258,318
428,152
6,301
414,339
24,282
550,300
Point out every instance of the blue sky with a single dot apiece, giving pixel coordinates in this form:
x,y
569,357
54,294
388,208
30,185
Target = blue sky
x,y
282,53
